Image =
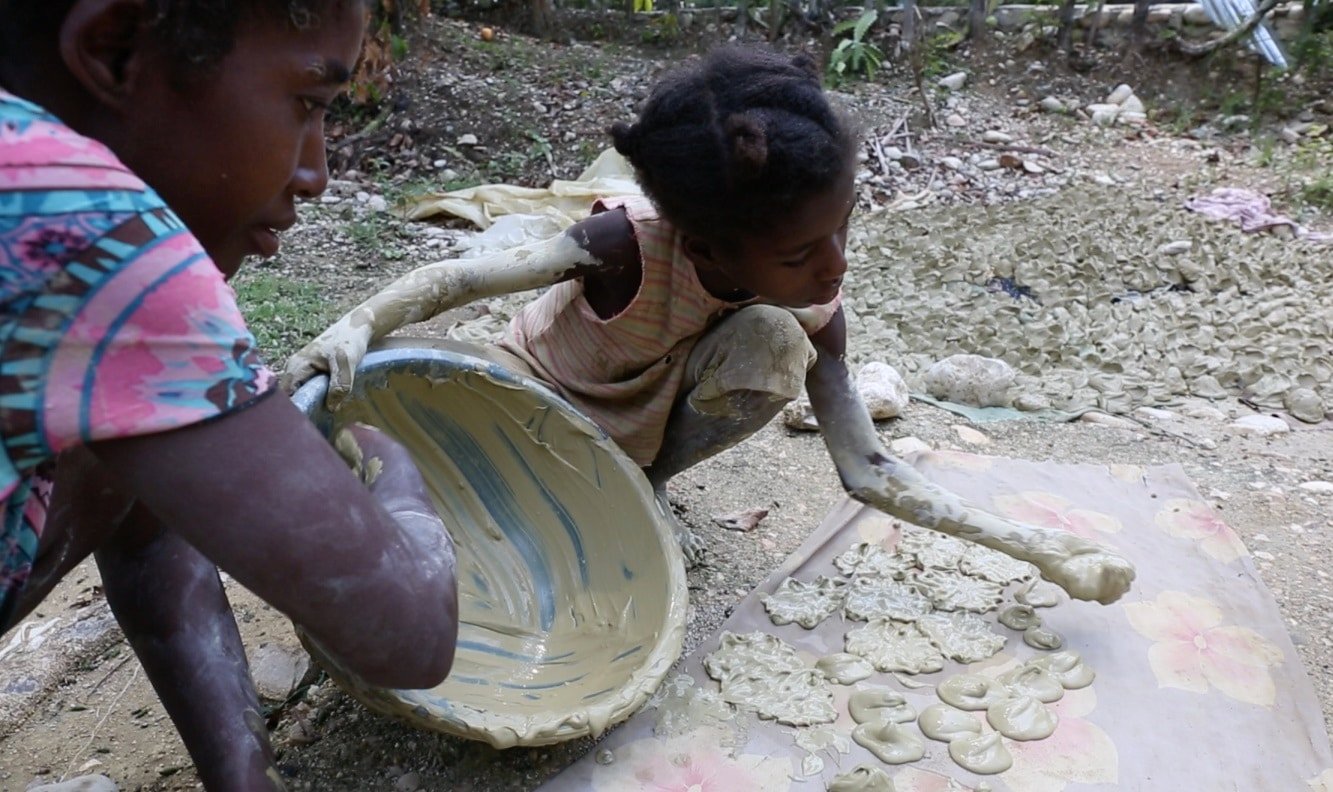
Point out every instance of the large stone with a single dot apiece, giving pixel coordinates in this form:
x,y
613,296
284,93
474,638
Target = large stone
x,y
1120,94
971,379
883,390
954,81
277,670
88,783
1260,425
1052,105
1305,404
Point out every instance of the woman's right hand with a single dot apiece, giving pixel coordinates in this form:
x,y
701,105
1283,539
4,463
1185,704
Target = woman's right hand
x,y
337,351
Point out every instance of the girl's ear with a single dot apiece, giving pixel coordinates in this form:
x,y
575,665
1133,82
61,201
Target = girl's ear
x,y
102,44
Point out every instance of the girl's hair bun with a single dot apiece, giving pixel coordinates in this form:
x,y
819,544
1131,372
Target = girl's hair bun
x,y
626,138
749,145
806,64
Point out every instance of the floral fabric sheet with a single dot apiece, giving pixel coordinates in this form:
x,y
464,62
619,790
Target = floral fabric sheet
x,y
1198,686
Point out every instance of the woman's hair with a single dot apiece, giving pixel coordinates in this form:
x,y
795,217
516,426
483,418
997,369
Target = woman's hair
x,y
195,33
729,145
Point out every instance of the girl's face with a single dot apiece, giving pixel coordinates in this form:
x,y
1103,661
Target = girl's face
x,y
801,261
233,151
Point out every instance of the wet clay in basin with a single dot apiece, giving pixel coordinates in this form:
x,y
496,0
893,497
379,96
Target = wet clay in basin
x,y
571,586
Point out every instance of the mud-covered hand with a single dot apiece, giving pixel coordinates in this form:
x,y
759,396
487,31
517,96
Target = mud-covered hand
x,y
392,477
873,476
337,352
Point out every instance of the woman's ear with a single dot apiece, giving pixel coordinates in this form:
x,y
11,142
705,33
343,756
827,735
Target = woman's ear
x,y
102,44
699,251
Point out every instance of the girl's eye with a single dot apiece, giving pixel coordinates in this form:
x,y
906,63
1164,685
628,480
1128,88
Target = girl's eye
x,y
794,264
313,105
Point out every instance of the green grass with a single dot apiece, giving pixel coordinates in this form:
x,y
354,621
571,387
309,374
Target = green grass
x,y
1318,193
282,313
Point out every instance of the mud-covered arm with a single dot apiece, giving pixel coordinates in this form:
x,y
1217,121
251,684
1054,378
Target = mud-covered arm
x,y
871,475
585,248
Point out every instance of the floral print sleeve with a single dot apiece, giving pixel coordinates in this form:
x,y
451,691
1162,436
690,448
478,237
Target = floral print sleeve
x,y
113,320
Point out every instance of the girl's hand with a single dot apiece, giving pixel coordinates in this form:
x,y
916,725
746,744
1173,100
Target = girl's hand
x,y
337,351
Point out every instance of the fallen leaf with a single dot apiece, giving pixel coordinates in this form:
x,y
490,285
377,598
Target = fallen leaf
x,y
743,521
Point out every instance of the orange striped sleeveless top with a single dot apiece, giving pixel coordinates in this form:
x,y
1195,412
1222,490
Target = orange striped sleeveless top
x,y
625,373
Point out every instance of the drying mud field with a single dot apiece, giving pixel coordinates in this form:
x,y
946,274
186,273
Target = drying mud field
x,y
1141,331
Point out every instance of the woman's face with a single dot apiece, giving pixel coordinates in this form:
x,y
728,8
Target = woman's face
x,y
232,151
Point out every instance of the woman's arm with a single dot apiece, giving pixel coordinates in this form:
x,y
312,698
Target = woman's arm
x,y
871,475
595,245
366,571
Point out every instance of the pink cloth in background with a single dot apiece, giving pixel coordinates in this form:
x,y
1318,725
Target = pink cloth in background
x,y
1252,210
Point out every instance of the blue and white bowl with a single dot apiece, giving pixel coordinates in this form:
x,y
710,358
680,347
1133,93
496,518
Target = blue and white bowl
x,y
572,590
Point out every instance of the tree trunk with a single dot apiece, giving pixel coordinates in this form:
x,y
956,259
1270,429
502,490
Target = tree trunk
x,y
543,17
1096,26
1138,24
909,25
742,18
1065,38
976,20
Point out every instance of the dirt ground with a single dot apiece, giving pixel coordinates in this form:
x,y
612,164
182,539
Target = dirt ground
x,y
82,705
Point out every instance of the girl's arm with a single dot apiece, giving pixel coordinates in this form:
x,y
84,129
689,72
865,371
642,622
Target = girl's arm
x,y
595,245
871,475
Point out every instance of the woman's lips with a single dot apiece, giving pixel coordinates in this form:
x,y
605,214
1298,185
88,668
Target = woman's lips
x,y
266,242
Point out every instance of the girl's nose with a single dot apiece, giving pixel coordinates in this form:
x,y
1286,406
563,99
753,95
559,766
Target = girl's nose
x,y
833,262
312,169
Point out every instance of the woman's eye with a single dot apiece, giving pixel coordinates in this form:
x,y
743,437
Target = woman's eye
x,y
312,105
794,264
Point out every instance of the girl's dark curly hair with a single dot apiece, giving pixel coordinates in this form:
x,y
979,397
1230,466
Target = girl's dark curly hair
x,y
728,146
196,33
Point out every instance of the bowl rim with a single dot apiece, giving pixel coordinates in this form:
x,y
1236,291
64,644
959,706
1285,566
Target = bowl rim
x,y
500,730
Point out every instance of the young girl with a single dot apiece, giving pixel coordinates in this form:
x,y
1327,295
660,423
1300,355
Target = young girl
x,y
682,321
146,147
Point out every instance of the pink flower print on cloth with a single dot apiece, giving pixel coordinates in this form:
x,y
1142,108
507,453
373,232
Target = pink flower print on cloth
x,y
1195,652
1191,519
1079,752
1048,510
691,762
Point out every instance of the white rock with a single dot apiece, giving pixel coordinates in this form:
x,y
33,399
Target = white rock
x,y
1175,248
800,415
1320,487
1131,118
883,390
277,670
467,140
954,81
88,783
952,163
996,136
1098,107
1260,425
1133,105
955,120
1305,404
989,164
377,203
1120,94
893,153
971,379
1154,414
970,436
1032,402
908,445
1106,419
1104,117
1052,105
